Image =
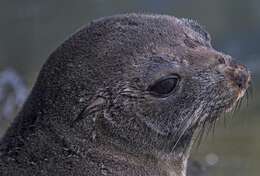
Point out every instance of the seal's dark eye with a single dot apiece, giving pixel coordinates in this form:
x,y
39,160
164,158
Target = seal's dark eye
x,y
164,86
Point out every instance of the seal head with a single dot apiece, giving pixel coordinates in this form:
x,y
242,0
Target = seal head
x,y
124,96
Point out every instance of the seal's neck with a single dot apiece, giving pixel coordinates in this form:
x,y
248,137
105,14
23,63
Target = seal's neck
x,y
154,162
144,164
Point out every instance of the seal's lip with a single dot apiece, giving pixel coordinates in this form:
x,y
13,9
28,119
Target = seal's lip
x,y
240,95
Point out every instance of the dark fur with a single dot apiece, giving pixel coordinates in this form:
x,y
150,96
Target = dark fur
x,y
90,113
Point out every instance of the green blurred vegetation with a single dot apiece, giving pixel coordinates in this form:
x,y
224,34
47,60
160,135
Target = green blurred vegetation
x,y
32,29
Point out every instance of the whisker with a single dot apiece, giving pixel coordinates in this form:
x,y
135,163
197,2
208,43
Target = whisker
x,y
182,125
224,120
240,103
185,125
247,102
177,142
236,107
200,135
214,126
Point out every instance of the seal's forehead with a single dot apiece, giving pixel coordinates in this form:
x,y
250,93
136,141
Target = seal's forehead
x,y
168,29
120,42
201,57
182,60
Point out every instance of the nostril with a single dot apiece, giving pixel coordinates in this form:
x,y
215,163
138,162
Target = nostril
x,y
221,60
239,75
242,79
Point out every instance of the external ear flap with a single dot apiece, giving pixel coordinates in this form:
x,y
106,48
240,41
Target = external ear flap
x,y
199,30
194,25
93,107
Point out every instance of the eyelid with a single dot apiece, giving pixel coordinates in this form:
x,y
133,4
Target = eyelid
x,y
170,76
166,77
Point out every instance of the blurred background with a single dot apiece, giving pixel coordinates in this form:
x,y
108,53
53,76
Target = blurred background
x,y
31,29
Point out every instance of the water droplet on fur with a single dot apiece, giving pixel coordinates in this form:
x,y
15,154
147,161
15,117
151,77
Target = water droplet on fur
x,y
108,117
104,172
94,134
103,169
81,99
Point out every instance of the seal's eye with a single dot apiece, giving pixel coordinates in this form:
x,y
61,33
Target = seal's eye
x,y
164,86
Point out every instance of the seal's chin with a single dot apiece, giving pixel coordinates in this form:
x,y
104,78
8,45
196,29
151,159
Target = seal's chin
x,y
239,97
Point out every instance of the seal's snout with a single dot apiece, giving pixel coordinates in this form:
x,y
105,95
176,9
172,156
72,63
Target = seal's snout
x,y
239,75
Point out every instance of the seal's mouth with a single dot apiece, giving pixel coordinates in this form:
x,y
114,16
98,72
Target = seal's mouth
x,y
243,94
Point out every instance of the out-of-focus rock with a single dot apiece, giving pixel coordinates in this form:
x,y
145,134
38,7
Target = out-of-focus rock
x,y
13,93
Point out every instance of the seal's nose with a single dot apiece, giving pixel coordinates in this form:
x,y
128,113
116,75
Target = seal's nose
x,y
239,75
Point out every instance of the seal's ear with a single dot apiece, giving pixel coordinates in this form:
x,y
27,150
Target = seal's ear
x,y
195,26
93,107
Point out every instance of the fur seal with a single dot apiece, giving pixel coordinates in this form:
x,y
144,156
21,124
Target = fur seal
x,y
122,97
